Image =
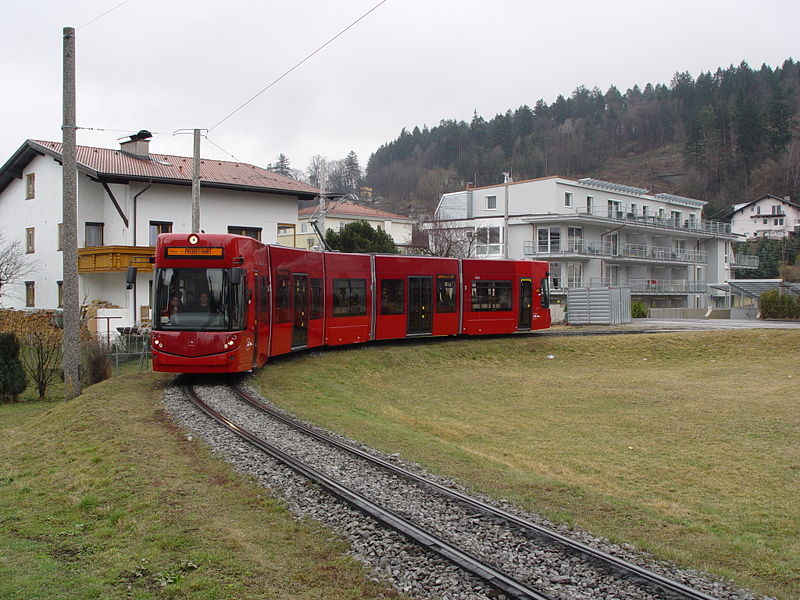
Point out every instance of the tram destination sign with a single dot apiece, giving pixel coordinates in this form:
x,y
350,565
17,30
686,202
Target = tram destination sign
x,y
193,252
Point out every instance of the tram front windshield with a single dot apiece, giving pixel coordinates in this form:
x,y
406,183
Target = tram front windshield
x,y
198,300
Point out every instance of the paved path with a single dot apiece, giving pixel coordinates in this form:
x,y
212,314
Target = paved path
x,y
706,324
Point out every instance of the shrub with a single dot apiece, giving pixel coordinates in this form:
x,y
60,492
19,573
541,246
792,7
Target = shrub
x,y
12,376
41,340
96,361
775,305
638,309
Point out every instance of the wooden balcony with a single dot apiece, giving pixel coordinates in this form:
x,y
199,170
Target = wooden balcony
x,y
113,259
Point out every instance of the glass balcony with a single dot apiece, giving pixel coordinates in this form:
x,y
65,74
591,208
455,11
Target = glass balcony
x,y
745,261
654,286
607,249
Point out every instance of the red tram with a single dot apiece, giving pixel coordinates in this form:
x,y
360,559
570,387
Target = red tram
x,y
226,303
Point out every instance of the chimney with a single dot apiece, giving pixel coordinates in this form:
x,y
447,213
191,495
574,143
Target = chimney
x,y
137,145
787,198
470,185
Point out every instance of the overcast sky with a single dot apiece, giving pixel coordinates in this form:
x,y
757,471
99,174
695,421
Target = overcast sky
x,y
164,65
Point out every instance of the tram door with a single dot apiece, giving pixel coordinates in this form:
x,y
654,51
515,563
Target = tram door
x,y
300,311
420,301
525,302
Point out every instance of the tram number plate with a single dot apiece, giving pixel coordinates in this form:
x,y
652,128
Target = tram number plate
x,y
193,252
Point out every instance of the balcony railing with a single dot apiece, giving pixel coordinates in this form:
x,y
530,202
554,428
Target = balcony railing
x,y
111,259
660,222
654,286
745,261
639,252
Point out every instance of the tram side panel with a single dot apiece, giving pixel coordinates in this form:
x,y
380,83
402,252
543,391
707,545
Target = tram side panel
x,y
415,296
348,298
297,316
497,296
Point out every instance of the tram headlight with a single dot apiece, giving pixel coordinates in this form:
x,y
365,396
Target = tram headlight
x,y
230,342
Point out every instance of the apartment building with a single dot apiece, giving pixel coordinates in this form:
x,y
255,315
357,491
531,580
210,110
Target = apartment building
x,y
597,233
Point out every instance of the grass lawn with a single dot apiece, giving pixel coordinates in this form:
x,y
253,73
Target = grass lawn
x,y
138,511
686,445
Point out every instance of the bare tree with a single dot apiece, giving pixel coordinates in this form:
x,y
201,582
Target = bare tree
x,y
13,266
449,238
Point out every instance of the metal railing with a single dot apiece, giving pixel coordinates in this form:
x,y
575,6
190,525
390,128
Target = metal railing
x,y
615,250
654,286
660,222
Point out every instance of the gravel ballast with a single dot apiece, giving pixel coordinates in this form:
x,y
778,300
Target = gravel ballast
x,y
389,555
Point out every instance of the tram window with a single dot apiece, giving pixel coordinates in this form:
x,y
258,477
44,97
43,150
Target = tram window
x,y
491,296
392,296
283,312
445,293
316,299
349,297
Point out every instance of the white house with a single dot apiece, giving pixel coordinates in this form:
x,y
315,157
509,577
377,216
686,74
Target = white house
x,y
339,213
597,233
125,198
767,217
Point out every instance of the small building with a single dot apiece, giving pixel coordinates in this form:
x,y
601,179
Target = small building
x,y
338,213
767,217
597,233
126,197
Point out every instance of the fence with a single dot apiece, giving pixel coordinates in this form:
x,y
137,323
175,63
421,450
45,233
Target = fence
x,y
598,306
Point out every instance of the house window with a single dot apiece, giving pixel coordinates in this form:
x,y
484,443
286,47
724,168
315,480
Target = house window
x,y
589,204
574,275
614,211
491,202
93,235
555,275
30,240
776,209
158,227
60,237
575,239
30,186
644,211
285,228
612,274
60,285
30,293
775,222
675,217
549,239
567,198
780,221
252,232
613,243
764,221
349,297
633,210
304,228
758,210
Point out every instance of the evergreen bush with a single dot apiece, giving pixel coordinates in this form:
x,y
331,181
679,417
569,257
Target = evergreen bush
x,y
13,380
775,305
638,309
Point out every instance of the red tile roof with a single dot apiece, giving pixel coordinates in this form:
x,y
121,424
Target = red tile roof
x,y
177,169
342,208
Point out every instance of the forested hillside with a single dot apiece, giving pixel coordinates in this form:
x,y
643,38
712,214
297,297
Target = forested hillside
x,y
723,137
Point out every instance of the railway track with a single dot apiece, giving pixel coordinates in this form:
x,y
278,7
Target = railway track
x,y
513,573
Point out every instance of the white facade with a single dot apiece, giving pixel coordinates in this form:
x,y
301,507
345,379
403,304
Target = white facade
x,y
142,203
768,217
596,233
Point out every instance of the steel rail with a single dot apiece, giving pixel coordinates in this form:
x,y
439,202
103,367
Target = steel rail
x,y
494,577
629,568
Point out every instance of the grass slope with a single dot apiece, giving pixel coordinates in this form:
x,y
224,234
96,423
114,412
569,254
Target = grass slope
x,y
686,445
103,497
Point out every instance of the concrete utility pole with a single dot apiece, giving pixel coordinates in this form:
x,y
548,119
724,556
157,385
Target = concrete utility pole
x,y
506,180
196,184
72,311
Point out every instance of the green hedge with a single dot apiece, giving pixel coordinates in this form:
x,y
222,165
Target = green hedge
x,y
775,305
